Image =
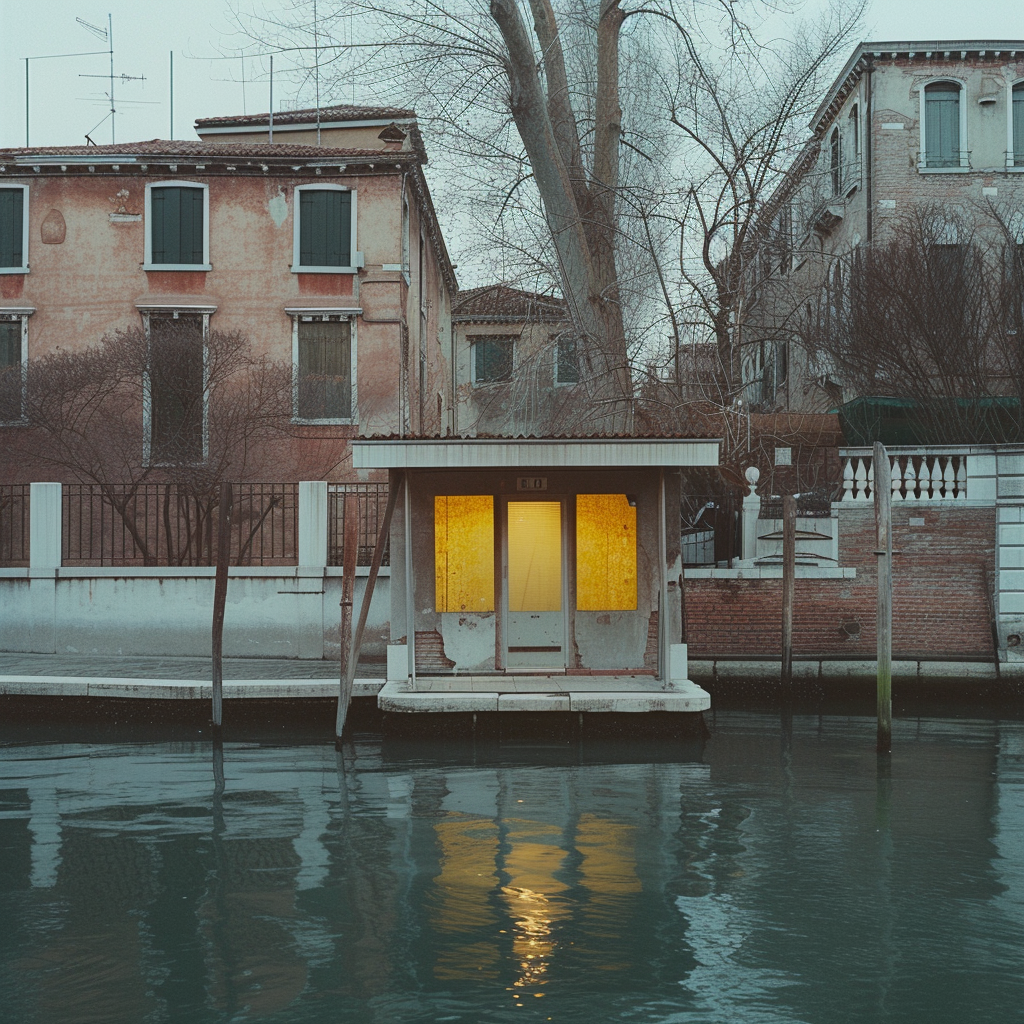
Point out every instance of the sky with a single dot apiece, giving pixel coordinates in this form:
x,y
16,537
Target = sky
x,y
64,106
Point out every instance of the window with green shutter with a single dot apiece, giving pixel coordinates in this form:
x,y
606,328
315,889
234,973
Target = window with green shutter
x,y
12,227
1018,125
177,228
11,379
942,124
492,358
325,370
325,228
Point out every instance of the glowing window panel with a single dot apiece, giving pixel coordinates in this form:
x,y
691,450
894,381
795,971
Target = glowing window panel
x,y
534,556
464,553
605,553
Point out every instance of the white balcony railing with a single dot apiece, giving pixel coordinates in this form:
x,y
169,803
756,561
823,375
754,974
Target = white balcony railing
x,y
918,474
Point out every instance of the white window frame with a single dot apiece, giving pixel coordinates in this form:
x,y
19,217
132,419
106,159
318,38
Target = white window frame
x,y
922,156
147,393
473,339
8,315
148,263
357,257
564,383
310,315
1011,167
23,269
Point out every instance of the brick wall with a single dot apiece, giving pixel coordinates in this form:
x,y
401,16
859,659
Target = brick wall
x,y
940,604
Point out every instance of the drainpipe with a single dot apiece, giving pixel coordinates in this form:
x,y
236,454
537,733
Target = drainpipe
x,y
869,70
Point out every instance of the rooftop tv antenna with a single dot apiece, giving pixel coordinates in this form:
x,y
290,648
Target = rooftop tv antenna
x,y
107,34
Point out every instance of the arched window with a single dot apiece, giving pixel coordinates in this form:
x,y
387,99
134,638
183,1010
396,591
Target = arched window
x,y
942,124
853,133
1018,125
835,161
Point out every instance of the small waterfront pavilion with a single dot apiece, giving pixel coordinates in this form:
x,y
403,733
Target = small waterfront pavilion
x,y
535,557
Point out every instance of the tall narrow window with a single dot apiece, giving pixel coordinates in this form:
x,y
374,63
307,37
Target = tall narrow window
x,y
13,229
606,568
853,133
12,378
835,157
177,226
942,124
324,370
464,553
567,364
176,389
1018,125
325,228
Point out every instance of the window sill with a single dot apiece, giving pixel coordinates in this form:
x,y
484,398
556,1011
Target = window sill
x,y
177,266
325,270
944,170
348,421
13,270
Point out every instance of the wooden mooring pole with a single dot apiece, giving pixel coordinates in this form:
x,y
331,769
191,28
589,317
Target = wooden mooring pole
x,y
349,551
220,594
348,667
788,588
883,529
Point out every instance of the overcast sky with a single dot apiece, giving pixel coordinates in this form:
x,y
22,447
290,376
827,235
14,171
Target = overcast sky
x,y
64,106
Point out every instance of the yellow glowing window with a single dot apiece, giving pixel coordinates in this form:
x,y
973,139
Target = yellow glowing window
x,y
605,553
534,556
464,553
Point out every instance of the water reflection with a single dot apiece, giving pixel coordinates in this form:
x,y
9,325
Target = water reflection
x,y
788,874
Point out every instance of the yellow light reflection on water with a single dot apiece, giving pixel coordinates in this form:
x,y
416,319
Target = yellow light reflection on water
x,y
515,867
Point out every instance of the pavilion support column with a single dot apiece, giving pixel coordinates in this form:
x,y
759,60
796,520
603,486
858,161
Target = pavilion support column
x,y
663,610
410,597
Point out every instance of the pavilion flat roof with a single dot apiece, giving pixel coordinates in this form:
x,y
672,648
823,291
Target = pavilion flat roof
x,y
530,453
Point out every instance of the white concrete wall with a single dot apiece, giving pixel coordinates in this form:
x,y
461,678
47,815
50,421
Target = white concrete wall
x,y
271,612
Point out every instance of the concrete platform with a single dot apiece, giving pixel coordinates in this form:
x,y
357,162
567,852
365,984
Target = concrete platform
x,y
625,694
179,689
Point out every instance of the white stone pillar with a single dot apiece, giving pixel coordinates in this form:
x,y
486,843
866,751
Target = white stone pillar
x,y
751,510
678,663
313,524
44,526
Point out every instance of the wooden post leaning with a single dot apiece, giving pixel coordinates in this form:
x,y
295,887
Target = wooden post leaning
x,y
349,551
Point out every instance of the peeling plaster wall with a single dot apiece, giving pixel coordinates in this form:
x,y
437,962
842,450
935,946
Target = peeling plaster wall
x,y
603,640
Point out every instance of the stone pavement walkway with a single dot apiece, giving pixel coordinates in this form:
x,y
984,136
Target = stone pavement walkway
x,y
97,667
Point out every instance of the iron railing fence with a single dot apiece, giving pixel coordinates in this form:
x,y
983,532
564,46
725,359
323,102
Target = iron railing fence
x,y
710,528
14,524
156,524
372,500
816,504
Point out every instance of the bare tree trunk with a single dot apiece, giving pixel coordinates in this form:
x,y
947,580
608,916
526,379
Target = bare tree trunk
x,y
584,238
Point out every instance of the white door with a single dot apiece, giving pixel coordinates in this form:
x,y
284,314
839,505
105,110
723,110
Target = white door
x,y
535,623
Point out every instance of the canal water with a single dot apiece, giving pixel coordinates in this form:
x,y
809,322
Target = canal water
x,y
776,872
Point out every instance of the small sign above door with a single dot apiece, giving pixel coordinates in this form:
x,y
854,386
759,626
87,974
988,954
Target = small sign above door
x,y
531,483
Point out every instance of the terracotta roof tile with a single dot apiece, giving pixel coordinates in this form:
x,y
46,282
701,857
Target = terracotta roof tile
x,y
501,301
338,112
156,148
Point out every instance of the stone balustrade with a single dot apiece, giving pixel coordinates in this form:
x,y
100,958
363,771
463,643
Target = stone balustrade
x,y
918,474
